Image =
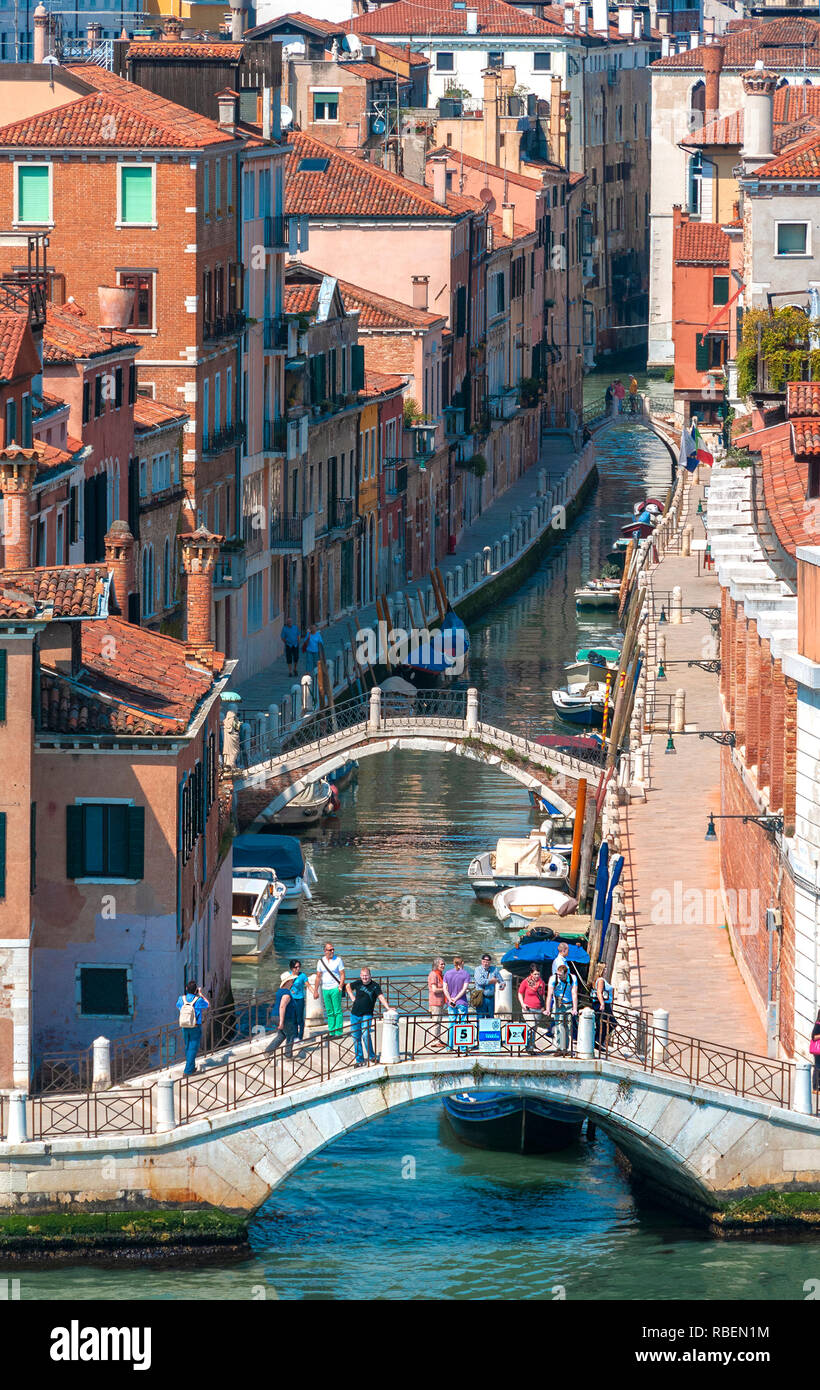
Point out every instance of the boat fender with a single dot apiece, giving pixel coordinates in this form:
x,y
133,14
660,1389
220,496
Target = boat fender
x,y
310,872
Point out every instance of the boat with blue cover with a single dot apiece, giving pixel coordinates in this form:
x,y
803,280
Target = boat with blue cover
x,y
283,854
514,1123
440,654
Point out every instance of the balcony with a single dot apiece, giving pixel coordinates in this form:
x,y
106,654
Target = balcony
x,y
25,290
340,513
230,570
503,407
275,436
395,480
219,440
276,233
287,533
275,335
453,421
223,326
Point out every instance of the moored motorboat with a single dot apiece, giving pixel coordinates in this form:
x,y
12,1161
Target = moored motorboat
x,y
516,863
610,656
283,854
256,896
516,908
598,593
439,654
307,806
581,704
513,1123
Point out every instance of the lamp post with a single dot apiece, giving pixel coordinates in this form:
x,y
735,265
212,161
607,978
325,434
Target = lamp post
x,y
771,824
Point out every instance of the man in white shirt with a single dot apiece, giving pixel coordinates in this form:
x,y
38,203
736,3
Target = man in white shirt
x,y
330,976
561,958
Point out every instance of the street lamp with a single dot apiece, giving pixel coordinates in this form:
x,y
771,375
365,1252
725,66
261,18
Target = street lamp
x,y
771,824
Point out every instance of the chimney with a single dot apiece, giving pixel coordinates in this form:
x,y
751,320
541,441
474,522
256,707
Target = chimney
x,y
638,30
439,163
583,16
119,556
694,38
491,113
600,17
569,17
665,45
420,287
471,21
626,21
508,220
199,552
712,56
239,20
227,103
758,90
172,28
93,34
664,23
41,36
16,483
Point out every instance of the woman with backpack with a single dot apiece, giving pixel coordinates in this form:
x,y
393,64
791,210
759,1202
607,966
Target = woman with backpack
x,y
192,1005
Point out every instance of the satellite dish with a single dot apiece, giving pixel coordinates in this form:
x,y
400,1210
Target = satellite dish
x,y
354,43
285,116
486,195
378,126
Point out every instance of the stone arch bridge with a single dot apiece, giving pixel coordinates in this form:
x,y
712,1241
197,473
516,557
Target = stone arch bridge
x,y
459,722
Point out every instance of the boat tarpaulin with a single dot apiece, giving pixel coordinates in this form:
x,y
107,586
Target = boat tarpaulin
x,y
518,857
280,852
542,953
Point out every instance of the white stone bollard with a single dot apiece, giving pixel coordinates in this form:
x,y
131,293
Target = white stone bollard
x,y
504,994
274,716
164,1114
488,560
296,701
660,1040
679,716
542,482
471,720
686,541
802,1088
389,1050
661,640
676,605
17,1129
638,769
585,1046
307,699
101,1068
314,1008
374,721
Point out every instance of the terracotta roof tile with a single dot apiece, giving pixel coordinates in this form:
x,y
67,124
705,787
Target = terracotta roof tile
x,y
161,48
150,414
12,332
470,162
377,311
382,383
800,162
700,243
803,397
14,604
784,45
393,51
806,437
785,480
352,187
300,21
369,72
70,591
300,299
793,108
420,17
70,336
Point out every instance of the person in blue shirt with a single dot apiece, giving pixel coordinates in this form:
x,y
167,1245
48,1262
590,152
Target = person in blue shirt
x,y
312,646
192,1036
297,994
282,1015
290,639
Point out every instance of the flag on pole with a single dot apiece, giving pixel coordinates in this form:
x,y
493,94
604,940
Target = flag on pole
x,y
687,454
701,453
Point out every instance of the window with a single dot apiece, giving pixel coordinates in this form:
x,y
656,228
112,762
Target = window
x,y
142,283
3,683
137,194
695,183
148,581
325,106
11,422
166,574
720,289
206,189
255,602
34,194
143,477
104,991
218,186
132,382
105,840
99,406
495,60
445,62
792,238
117,388
541,62
248,195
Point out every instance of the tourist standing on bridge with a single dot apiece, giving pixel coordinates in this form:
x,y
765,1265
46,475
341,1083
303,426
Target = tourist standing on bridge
x,y
486,977
290,640
603,999
562,1004
192,1005
619,393
364,994
633,395
330,975
297,992
815,1037
562,958
532,992
312,646
456,984
436,1001
608,399
283,1015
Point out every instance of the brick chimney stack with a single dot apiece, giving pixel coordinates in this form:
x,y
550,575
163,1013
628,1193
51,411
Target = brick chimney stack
x,y
712,57
199,554
16,483
119,556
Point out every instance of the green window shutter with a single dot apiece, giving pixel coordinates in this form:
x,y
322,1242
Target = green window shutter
x,y
2,854
33,184
701,354
136,842
74,836
356,367
137,193
3,682
720,289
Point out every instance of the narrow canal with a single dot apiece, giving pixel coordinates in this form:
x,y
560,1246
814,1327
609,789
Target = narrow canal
x,y
399,1209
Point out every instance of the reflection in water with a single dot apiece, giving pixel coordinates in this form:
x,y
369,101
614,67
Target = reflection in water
x,y
398,1208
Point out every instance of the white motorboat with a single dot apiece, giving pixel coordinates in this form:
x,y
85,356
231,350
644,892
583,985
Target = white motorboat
x,y
518,863
256,897
581,703
589,671
283,854
599,593
517,908
307,806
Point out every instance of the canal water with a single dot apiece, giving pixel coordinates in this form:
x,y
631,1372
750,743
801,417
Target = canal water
x,y
399,1209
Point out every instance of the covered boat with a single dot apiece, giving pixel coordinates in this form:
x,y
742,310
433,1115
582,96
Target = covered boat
x,y
441,654
599,593
307,806
542,953
516,908
256,896
581,703
518,863
283,854
516,1124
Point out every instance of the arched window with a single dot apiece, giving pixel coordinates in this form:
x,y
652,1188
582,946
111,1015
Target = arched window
x,y
166,574
148,580
697,105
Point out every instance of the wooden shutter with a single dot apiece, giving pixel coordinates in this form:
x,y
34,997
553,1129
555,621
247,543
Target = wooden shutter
x,y
137,190
33,194
356,367
3,682
720,289
74,838
701,354
133,504
2,854
136,842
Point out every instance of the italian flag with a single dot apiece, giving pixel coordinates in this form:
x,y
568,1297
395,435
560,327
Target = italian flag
x,y
701,453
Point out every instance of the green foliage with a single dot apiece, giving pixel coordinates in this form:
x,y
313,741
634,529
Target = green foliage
x,y
784,349
669,374
479,464
412,412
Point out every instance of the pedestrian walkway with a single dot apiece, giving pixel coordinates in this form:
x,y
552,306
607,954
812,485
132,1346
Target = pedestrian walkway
x,y
273,683
679,947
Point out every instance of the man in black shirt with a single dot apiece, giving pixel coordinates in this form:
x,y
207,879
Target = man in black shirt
x,y
364,994
284,1015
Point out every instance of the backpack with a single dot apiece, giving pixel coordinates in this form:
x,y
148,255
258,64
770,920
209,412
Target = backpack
x,y
187,1014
